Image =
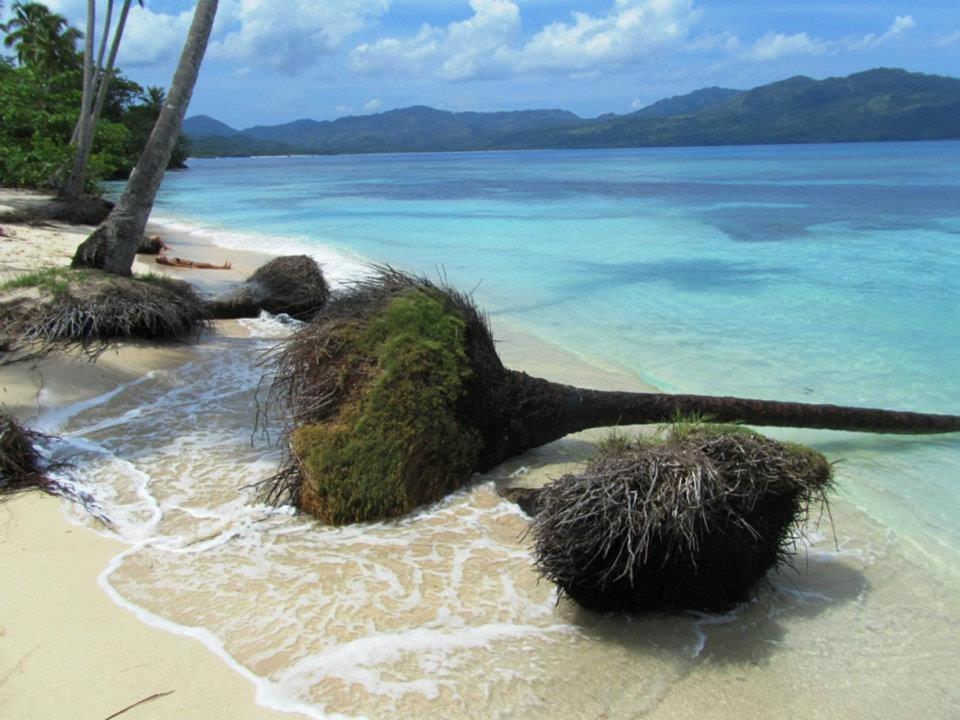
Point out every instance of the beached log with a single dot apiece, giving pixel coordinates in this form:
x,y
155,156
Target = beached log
x,y
690,521
81,210
394,395
293,284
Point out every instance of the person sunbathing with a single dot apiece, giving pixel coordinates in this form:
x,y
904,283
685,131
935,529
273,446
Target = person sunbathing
x,y
180,262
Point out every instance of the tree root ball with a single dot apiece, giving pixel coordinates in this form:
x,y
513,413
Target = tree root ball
x,y
690,522
378,392
89,309
292,284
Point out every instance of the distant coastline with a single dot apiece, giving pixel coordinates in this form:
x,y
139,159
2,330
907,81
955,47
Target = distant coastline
x,y
880,105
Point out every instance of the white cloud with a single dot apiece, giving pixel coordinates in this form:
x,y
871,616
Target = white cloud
x,y
344,110
772,46
638,104
372,105
630,30
487,44
463,49
945,40
294,36
775,45
900,25
151,37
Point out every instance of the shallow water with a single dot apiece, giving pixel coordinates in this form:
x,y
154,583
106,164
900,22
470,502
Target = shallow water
x,y
441,614
807,273
811,273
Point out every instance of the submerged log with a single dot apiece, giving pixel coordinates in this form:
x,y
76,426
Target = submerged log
x,y
394,395
293,285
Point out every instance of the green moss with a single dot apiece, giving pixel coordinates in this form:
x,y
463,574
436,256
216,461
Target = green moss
x,y
397,441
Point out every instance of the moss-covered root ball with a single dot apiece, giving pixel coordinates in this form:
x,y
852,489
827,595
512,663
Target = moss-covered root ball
x,y
692,521
396,439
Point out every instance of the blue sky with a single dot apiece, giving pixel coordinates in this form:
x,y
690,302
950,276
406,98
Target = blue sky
x,y
273,61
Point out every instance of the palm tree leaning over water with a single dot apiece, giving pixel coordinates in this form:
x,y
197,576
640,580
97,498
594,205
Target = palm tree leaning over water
x,y
113,245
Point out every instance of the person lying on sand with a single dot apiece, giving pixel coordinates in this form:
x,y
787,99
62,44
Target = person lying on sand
x,y
180,262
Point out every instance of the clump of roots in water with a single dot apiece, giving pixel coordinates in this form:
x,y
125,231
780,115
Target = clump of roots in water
x,y
692,520
61,308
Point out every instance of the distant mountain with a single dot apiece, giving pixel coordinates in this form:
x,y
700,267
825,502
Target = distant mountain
x,y
203,125
876,105
690,104
416,128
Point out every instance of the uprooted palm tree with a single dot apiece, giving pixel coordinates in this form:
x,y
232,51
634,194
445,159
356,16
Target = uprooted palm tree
x,y
394,395
113,245
96,83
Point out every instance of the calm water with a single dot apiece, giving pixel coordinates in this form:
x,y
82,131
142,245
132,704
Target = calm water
x,y
812,273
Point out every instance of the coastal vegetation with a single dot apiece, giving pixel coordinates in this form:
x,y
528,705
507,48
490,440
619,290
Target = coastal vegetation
x,y
691,518
877,105
394,395
41,102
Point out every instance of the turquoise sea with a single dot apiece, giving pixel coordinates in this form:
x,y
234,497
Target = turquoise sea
x,y
810,273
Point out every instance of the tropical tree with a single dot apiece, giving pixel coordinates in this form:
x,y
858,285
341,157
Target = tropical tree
x,y
40,38
96,82
156,97
113,245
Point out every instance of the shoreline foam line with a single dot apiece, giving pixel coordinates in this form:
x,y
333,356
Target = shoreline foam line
x,y
340,266
267,693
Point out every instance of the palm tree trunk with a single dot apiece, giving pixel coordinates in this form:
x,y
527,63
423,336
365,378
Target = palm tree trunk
x,y
107,74
539,411
84,132
73,187
114,244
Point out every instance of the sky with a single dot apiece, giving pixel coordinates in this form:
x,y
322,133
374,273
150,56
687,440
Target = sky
x,y
274,61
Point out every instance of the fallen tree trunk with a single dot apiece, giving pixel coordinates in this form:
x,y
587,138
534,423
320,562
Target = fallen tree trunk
x,y
395,395
538,411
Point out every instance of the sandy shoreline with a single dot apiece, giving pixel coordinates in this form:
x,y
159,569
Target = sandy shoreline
x,y
58,616
862,634
55,616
